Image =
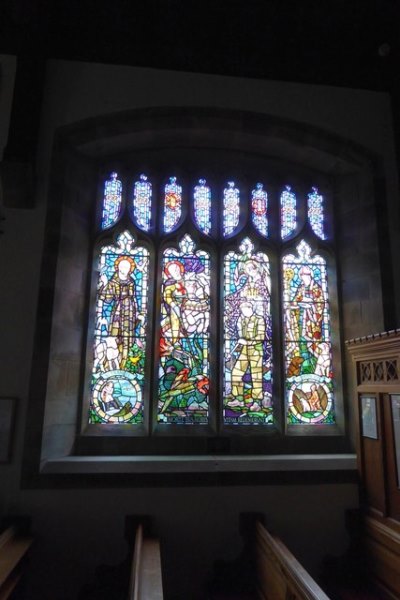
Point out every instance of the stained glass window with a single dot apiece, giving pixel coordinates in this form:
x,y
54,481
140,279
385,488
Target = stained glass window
x,y
288,212
231,208
228,376
316,212
259,206
142,203
248,337
202,206
308,348
111,201
185,335
120,334
172,204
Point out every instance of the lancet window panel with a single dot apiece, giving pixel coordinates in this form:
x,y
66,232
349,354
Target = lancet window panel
x,y
209,314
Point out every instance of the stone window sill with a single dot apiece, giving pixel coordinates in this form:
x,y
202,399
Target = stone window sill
x,y
199,464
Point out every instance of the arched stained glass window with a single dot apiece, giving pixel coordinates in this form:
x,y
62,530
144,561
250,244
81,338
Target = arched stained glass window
x,y
247,337
316,212
120,333
288,212
259,208
202,206
209,333
308,351
185,335
142,203
172,205
231,208
111,201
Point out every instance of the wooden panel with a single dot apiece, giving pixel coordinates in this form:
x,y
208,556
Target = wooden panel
x,y
392,484
382,549
372,463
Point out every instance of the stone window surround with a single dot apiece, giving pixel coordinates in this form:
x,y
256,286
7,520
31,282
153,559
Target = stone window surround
x,y
78,151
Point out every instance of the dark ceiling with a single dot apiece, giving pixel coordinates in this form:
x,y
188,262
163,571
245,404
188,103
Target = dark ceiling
x,y
339,42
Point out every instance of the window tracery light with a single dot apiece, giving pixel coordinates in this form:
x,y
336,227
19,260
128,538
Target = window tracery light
x,y
202,206
316,212
259,208
172,205
111,201
231,208
142,203
288,212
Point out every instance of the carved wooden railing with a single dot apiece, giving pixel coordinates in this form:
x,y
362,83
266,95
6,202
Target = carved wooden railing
x,y
13,552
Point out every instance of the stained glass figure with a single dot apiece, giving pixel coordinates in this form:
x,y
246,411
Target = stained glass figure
x,y
202,206
231,208
142,203
247,341
120,334
185,336
172,204
111,201
316,212
308,352
288,212
259,208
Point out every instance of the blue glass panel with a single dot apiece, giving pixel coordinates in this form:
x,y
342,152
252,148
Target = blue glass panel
x,y
259,209
202,206
111,201
172,205
142,203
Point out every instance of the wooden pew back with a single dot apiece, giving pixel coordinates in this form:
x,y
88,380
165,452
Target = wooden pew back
x,y
280,575
146,576
13,549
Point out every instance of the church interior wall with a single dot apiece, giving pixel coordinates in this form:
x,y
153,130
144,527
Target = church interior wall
x,y
77,529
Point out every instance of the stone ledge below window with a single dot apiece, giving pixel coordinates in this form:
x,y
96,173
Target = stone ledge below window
x,y
199,464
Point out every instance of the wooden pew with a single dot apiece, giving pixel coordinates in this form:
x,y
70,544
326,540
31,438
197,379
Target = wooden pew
x,y
280,576
381,551
13,551
146,577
